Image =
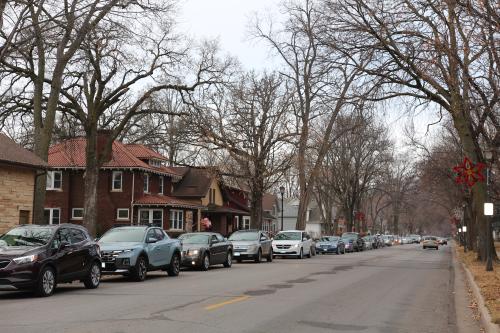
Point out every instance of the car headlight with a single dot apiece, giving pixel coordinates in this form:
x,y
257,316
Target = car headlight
x,y
120,252
193,252
26,259
296,245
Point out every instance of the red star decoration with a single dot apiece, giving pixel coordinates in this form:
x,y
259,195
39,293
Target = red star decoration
x,y
469,173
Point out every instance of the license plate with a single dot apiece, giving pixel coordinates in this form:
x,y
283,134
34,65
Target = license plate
x,y
236,254
281,251
103,265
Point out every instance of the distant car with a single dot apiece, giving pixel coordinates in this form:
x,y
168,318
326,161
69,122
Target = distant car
x,y
369,242
353,241
430,242
135,250
204,249
296,243
330,244
415,239
442,241
251,245
388,240
38,257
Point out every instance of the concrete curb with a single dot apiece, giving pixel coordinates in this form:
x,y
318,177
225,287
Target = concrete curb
x,y
485,320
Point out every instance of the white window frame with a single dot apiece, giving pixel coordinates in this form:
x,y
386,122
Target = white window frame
x,y
123,218
150,213
237,222
113,181
51,180
73,214
178,222
51,214
161,185
146,183
246,223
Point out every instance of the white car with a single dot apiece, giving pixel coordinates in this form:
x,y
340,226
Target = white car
x,y
296,243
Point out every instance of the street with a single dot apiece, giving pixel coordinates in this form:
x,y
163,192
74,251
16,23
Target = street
x,y
395,289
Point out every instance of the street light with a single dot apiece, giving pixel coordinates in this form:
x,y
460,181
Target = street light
x,y
488,211
282,191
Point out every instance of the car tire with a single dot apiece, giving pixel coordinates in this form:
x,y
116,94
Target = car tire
x,y
301,255
46,283
258,258
424,247
175,265
93,277
270,256
229,260
338,251
140,271
205,262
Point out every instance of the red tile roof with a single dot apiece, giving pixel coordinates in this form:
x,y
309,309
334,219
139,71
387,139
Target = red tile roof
x,y
143,152
12,153
71,154
165,200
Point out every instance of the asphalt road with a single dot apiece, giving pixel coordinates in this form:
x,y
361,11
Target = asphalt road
x,y
399,289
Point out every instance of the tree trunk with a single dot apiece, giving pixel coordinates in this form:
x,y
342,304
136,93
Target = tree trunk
x,y
91,178
42,141
256,209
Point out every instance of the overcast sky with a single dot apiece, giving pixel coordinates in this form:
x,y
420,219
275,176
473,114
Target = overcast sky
x,y
228,21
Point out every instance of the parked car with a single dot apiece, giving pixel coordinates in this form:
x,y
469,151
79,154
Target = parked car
x,y
295,243
369,243
415,239
330,244
388,240
135,250
353,241
204,249
430,242
379,241
38,257
251,245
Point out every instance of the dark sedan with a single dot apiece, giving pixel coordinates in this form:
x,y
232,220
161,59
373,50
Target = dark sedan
x,y
353,242
330,244
204,249
39,257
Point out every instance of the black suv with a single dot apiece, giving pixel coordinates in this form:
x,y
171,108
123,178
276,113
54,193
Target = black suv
x,y
38,257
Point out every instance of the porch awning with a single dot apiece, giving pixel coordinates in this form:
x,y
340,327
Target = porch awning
x,y
166,201
224,210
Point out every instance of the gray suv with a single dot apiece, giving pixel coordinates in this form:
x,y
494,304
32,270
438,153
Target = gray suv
x,y
135,250
251,245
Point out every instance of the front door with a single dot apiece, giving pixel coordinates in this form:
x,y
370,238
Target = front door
x,y
151,217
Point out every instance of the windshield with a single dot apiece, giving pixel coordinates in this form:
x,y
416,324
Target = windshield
x,y
329,239
244,236
194,238
123,235
288,236
29,236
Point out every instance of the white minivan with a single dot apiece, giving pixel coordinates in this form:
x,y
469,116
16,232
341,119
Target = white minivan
x,y
296,243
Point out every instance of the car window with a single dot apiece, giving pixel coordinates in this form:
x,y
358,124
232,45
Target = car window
x,y
151,234
160,235
77,236
62,235
214,238
264,235
219,237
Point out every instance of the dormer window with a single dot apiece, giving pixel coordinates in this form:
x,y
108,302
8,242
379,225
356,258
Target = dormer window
x,y
155,163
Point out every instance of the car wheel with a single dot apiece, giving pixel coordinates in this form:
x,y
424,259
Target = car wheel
x,y
93,278
437,248
205,262
175,265
140,270
270,256
301,255
424,247
258,258
229,260
46,284
338,251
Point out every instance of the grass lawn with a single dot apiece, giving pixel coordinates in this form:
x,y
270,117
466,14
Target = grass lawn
x,y
488,282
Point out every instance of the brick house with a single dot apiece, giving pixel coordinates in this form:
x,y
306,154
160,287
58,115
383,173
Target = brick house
x,y
271,210
134,187
18,170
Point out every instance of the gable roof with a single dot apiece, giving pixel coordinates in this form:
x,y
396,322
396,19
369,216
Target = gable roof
x,y
12,153
194,183
71,154
142,152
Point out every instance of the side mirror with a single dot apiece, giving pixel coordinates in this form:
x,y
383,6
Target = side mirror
x,y
263,239
151,240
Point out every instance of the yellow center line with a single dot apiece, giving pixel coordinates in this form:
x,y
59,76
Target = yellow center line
x,y
221,304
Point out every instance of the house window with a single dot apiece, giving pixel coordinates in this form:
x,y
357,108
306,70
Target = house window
x,y
246,223
146,183
122,214
237,219
151,217
155,163
77,213
52,215
117,181
160,189
176,219
211,196
54,180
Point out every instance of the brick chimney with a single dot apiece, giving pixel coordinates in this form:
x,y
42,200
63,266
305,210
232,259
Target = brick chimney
x,y
102,137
